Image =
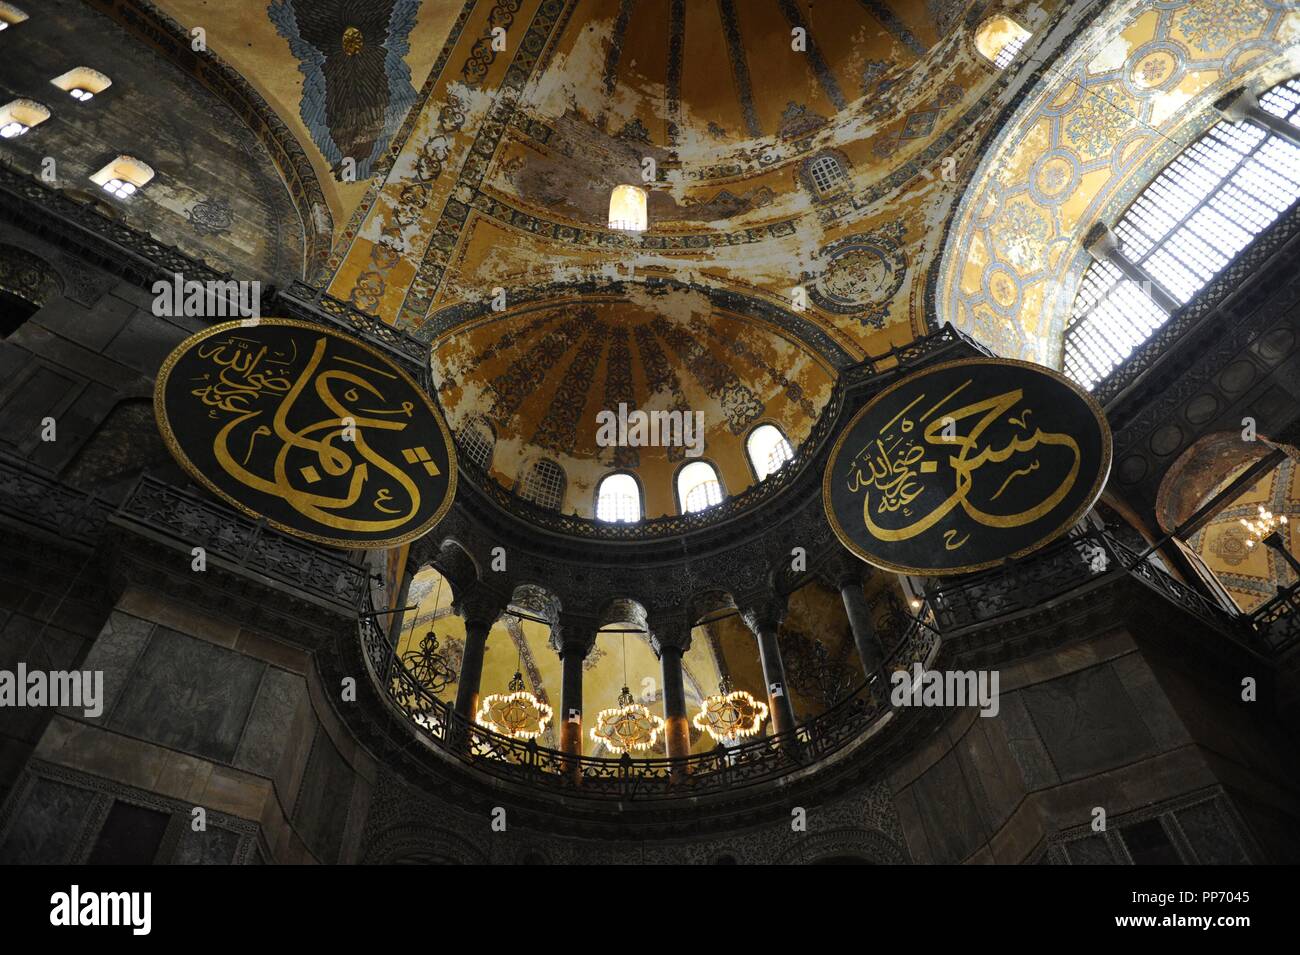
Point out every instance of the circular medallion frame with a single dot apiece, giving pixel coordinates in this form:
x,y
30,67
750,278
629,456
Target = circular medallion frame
x,y
1077,513
163,420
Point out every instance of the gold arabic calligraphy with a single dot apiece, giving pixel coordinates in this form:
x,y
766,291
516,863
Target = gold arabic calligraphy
x,y
258,388
893,468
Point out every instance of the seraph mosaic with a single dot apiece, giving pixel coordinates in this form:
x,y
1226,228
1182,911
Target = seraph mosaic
x,y
356,84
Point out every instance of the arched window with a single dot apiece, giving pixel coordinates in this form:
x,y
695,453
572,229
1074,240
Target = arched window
x,y
10,16
698,487
1191,221
1000,39
618,498
627,205
27,284
543,484
827,173
477,441
123,177
768,450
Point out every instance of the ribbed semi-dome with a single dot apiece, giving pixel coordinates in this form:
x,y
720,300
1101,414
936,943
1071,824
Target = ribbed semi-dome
x,y
540,374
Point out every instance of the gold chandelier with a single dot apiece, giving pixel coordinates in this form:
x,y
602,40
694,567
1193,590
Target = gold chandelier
x,y
516,713
729,714
628,726
1262,526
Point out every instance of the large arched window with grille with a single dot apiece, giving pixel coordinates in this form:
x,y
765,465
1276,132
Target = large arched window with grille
x,y
1201,211
543,483
618,499
768,450
698,487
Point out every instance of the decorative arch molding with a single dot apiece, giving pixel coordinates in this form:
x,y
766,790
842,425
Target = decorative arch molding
x,y
143,20
870,845
1075,146
419,845
29,276
526,298
1200,470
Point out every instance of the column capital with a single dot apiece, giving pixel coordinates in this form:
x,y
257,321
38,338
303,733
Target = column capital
x,y
572,634
1100,242
764,614
843,568
478,606
1237,105
671,631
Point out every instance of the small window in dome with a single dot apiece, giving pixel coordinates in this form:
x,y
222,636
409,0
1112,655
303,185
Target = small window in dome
x,y
19,116
627,209
698,487
1000,40
827,173
543,484
768,450
618,498
123,177
10,16
82,84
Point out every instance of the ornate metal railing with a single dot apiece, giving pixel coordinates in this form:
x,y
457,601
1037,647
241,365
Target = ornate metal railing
x,y
244,542
47,210
723,769
413,352
1278,621
1069,564
43,502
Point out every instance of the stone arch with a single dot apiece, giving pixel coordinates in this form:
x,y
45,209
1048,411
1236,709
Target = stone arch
x,y
870,846
624,610
27,284
1193,477
417,845
706,603
1020,226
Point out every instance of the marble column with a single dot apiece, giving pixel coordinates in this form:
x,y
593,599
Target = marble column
x,y
764,620
573,652
479,610
870,652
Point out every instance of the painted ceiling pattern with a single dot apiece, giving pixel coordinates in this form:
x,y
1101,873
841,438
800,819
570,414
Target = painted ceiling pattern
x,y
1252,575
1113,110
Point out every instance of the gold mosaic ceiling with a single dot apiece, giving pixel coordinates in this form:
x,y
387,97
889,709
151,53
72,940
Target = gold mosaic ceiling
x,y
488,167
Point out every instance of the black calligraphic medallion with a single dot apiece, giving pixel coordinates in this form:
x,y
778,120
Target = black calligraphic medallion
x,y
963,465
314,431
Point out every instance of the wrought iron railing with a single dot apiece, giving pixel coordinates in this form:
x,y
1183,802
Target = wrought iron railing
x,y
103,239
188,520
244,542
1072,563
1067,567
1277,622
40,501
723,769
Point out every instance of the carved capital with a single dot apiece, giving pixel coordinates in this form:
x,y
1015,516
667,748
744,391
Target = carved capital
x,y
764,615
670,630
478,606
573,635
